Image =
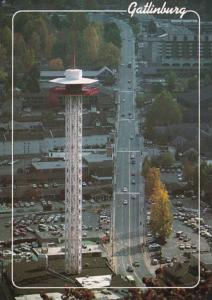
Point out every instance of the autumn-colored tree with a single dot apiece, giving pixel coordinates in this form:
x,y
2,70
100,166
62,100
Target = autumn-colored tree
x,y
92,43
152,180
160,216
56,64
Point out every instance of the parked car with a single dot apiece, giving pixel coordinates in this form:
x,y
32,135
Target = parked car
x,y
154,262
130,269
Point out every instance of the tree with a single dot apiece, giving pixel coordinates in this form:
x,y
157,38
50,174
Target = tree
x,y
41,29
59,48
160,215
3,75
3,55
146,166
192,83
157,88
191,155
164,111
29,59
166,160
139,101
112,34
56,64
35,44
136,27
152,28
92,43
110,55
152,180
189,171
31,79
6,38
171,80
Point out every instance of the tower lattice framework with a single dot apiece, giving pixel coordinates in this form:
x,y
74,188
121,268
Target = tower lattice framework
x,y
73,184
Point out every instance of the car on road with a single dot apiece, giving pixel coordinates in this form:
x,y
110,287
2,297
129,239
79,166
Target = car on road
x,y
136,264
131,137
133,196
125,202
133,181
125,189
133,174
130,269
123,100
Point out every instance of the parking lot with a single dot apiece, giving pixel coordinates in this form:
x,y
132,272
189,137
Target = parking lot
x,y
32,222
184,236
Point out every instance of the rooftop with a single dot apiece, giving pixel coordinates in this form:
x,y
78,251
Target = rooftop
x,y
95,281
49,165
32,275
96,157
55,296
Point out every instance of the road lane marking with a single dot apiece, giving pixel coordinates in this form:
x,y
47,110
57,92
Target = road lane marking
x,y
126,119
125,91
126,193
127,151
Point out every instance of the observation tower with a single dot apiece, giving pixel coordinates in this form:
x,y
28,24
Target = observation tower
x,y
73,87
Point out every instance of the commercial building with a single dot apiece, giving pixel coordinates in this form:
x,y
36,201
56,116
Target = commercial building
x,y
175,45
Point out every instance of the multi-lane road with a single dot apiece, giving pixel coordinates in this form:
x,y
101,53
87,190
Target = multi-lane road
x,y
128,204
